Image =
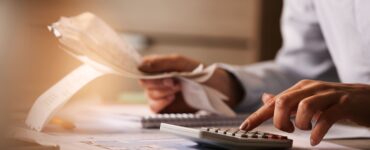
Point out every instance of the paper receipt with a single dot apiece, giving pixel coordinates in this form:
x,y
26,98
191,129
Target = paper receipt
x,y
102,51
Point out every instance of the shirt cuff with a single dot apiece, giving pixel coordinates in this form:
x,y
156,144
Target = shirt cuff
x,y
251,86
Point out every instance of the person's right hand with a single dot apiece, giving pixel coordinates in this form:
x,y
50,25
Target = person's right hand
x,y
165,94
316,105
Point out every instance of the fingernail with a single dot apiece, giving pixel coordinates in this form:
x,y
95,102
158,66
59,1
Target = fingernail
x,y
313,142
265,96
244,125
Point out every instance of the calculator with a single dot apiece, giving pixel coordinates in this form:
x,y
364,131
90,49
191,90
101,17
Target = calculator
x,y
230,138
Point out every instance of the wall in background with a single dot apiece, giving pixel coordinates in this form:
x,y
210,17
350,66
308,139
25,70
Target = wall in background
x,y
208,30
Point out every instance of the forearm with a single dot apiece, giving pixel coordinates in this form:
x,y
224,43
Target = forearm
x,y
254,80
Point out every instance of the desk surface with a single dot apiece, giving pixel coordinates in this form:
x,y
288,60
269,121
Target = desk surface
x,y
94,131
353,143
147,139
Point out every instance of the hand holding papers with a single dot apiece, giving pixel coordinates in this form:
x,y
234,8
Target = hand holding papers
x,y
102,51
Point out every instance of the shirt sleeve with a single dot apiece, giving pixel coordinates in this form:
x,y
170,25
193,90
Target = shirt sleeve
x,y
304,55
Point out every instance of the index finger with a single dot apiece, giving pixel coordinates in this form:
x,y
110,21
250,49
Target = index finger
x,y
167,63
261,115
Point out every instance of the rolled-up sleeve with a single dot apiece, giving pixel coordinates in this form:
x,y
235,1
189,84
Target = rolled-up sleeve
x,y
304,55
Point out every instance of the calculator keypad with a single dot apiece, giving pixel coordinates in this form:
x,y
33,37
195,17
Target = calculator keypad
x,y
234,132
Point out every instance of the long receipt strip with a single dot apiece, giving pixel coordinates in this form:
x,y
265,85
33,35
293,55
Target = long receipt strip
x,y
102,51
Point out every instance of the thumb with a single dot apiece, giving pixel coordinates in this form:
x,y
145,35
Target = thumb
x,y
167,63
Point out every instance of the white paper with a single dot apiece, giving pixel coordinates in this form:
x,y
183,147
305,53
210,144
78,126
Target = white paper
x,y
110,130
143,140
93,42
54,98
337,131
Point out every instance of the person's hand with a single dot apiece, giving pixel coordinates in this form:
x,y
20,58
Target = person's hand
x,y
309,100
165,94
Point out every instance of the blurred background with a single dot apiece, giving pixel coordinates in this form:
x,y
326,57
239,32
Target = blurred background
x,y
238,32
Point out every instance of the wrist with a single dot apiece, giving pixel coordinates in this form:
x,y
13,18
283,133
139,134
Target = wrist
x,y
237,89
229,85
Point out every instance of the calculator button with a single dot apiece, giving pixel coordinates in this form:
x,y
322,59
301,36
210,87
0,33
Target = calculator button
x,y
223,131
204,129
214,130
261,135
282,137
272,136
232,132
240,133
252,135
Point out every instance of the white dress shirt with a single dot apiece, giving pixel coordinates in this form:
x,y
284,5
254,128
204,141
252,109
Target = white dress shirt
x,y
326,40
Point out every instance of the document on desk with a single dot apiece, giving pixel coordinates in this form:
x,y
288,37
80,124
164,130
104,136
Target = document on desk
x,y
149,139
102,51
340,131
337,131
102,128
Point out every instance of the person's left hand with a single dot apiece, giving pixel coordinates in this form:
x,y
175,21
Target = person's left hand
x,y
165,95
308,100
